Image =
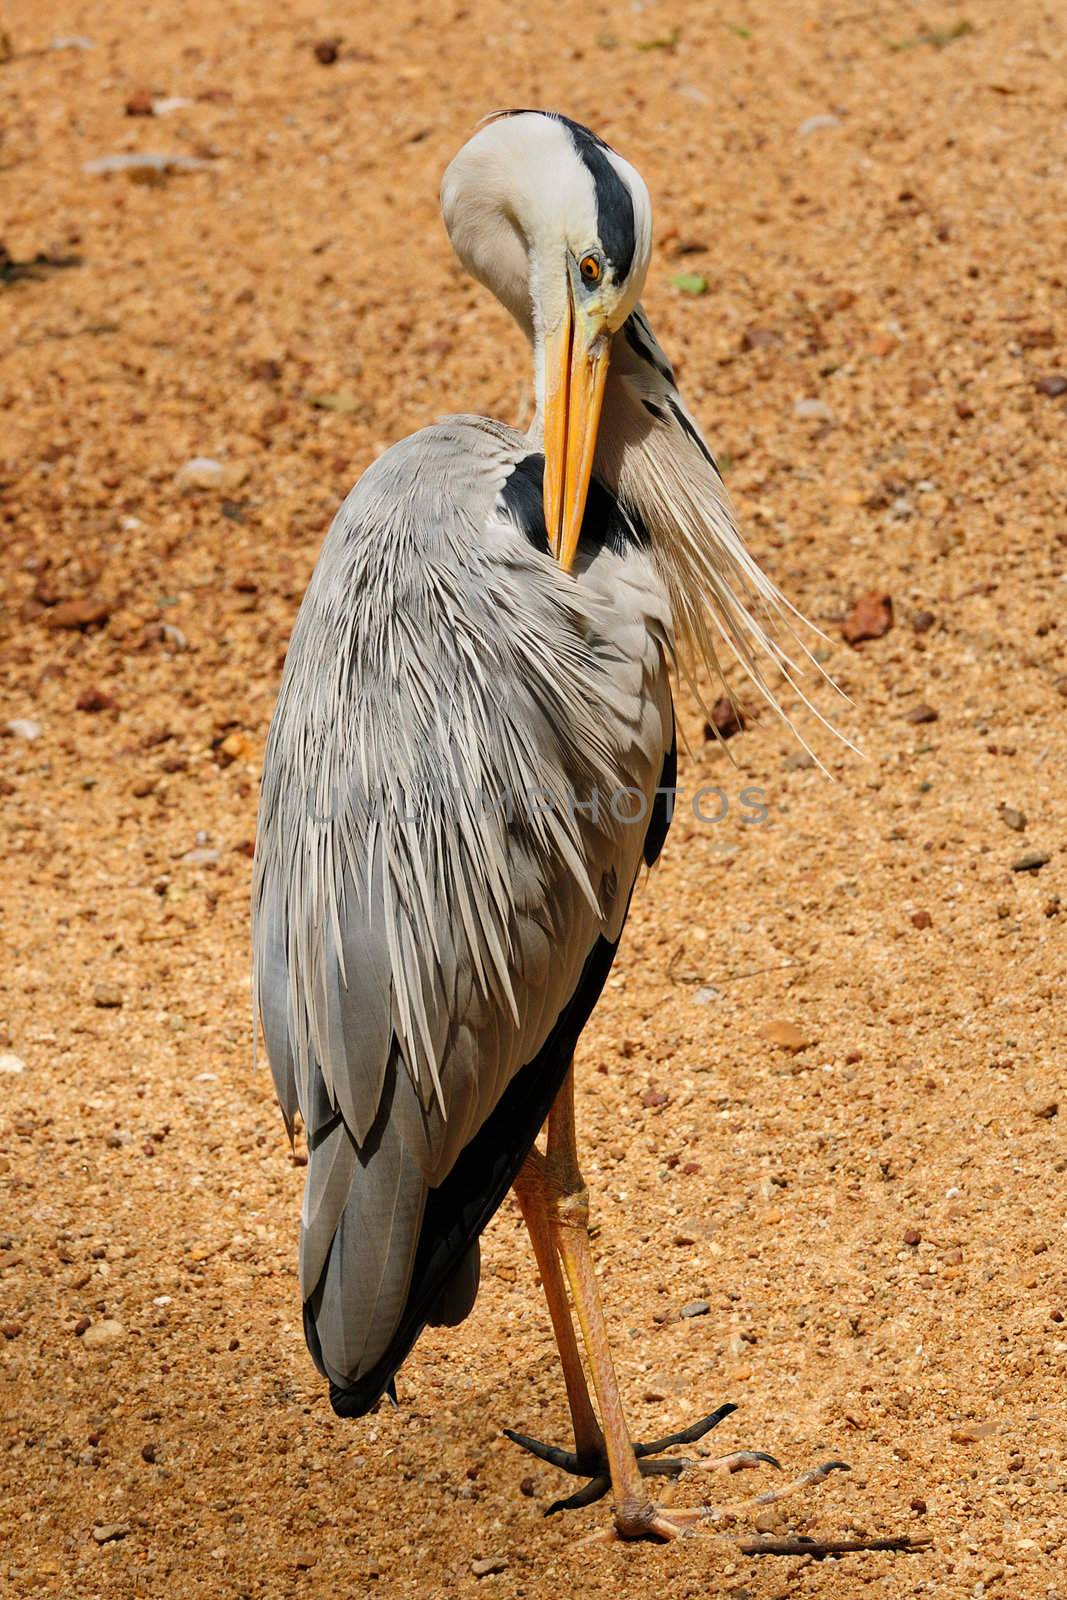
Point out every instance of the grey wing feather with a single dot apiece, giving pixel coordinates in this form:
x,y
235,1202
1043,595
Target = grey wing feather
x,y
418,927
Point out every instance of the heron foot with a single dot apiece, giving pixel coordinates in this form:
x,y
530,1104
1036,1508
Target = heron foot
x,y
593,1466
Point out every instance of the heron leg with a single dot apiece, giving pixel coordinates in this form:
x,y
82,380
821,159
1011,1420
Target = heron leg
x,y
530,1191
635,1513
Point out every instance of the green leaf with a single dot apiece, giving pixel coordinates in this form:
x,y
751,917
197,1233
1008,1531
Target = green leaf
x,y
665,42
938,38
690,283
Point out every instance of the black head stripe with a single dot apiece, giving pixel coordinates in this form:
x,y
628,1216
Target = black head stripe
x,y
616,227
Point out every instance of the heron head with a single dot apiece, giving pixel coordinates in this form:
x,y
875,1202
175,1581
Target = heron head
x,y
559,227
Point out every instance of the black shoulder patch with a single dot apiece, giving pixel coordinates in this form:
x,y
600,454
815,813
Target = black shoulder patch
x,y
605,524
522,498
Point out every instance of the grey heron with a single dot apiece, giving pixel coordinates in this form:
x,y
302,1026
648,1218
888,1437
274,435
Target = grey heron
x,y
480,668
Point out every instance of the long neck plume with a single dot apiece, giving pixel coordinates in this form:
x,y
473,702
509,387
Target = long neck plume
x,y
653,458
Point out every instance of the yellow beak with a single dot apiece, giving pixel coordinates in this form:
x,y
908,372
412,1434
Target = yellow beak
x,y
574,393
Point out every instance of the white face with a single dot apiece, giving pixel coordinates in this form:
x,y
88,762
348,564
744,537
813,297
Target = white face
x,y
540,211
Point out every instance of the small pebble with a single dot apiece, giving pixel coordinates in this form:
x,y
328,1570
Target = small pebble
x,y
143,162
107,995
923,621
695,1308
105,1532
727,719
1031,861
139,104
148,1453
922,713
1052,386
759,338
922,919
972,1432
107,1331
1011,818
784,1036
94,700
201,472
11,1064
236,746
810,410
870,618
23,728
488,1564
72,614
327,51
912,1236
816,124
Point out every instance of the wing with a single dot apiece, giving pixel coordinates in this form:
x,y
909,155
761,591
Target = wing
x,y
444,861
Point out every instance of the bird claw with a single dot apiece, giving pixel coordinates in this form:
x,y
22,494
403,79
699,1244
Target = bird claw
x,y
594,1466
812,1476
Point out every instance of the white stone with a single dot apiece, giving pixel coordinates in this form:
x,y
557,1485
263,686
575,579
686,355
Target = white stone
x,y
813,410
201,473
104,1332
825,119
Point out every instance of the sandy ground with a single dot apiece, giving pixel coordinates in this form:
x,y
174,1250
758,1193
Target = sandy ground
x,y
874,1220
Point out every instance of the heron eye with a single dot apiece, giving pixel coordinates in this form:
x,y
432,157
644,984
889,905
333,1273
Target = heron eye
x,y
589,267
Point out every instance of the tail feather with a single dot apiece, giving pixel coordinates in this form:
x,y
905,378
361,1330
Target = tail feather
x,y
362,1219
